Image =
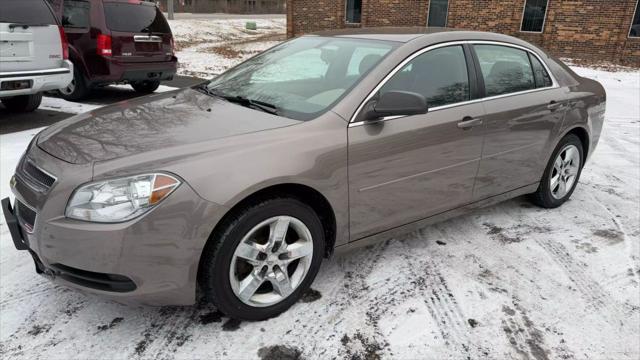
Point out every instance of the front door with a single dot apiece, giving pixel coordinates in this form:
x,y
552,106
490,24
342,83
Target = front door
x,y
523,107
409,168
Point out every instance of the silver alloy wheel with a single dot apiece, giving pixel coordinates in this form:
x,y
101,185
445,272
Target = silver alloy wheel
x,y
70,88
565,171
271,261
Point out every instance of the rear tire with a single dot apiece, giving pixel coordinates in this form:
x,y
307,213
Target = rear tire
x,y
23,103
77,89
227,271
561,174
145,87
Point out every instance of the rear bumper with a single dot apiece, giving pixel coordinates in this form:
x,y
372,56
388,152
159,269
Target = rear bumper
x,y
42,80
128,72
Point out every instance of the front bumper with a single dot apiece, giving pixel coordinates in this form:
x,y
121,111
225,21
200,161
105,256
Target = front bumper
x,y
41,80
151,260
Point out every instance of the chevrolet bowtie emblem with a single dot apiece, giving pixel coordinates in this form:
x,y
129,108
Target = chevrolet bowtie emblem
x,y
12,182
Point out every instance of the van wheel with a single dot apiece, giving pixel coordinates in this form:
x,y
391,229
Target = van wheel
x,y
77,89
561,175
145,87
262,259
23,103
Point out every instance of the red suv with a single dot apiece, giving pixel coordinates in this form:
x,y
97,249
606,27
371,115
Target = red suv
x,y
117,41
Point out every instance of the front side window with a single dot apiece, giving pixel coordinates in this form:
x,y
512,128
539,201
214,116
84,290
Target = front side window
x,y
302,78
75,14
440,75
635,24
438,13
504,69
533,16
354,11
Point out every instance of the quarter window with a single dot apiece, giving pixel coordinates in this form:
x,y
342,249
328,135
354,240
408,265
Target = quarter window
x,y
534,15
635,24
76,14
354,11
440,75
438,13
540,74
504,69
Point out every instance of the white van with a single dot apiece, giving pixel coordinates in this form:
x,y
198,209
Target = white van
x,y
34,54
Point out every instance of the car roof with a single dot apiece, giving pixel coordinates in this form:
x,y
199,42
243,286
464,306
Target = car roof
x,y
407,34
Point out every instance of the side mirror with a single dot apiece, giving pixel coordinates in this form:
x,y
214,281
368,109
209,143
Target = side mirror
x,y
397,103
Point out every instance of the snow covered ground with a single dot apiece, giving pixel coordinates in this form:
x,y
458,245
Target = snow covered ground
x,y
508,281
206,47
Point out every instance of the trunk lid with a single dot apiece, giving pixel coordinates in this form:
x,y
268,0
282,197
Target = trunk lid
x,y
139,32
29,36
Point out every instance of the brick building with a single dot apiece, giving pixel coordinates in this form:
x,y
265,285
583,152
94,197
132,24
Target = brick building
x,y
600,30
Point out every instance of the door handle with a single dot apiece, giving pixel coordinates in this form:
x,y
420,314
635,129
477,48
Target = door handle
x,y
554,105
468,122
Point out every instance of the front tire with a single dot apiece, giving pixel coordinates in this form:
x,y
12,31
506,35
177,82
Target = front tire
x,y
262,259
23,103
145,87
561,174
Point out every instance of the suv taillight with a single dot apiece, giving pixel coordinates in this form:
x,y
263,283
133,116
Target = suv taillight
x,y
65,43
173,46
104,45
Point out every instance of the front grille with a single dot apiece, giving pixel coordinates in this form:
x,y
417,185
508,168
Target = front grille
x,y
37,175
26,216
94,280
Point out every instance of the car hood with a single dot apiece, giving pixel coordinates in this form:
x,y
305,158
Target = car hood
x,y
151,123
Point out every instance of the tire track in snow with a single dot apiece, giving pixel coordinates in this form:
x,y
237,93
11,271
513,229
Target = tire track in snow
x,y
431,285
524,337
589,289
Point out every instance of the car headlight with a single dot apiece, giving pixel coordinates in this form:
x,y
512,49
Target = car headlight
x,y
120,199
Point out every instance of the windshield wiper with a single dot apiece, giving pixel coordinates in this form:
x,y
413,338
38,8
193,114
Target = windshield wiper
x,y
241,100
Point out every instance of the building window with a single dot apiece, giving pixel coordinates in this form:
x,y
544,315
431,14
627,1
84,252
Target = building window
x,y
635,24
354,9
534,15
438,13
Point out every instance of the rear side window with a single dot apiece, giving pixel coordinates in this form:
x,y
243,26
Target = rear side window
x,y
28,12
440,75
540,74
504,69
137,18
76,14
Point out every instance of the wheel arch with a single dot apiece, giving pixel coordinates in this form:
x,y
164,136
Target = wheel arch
x,y
583,135
303,193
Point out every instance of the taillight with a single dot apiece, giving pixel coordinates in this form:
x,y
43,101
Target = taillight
x,y
104,45
173,46
65,43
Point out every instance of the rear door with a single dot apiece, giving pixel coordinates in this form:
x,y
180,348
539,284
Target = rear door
x,y
523,106
139,31
29,36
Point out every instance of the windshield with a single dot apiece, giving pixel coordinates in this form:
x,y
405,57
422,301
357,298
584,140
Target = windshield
x,y
302,78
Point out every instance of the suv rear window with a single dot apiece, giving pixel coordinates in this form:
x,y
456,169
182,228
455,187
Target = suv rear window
x,y
29,12
137,18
